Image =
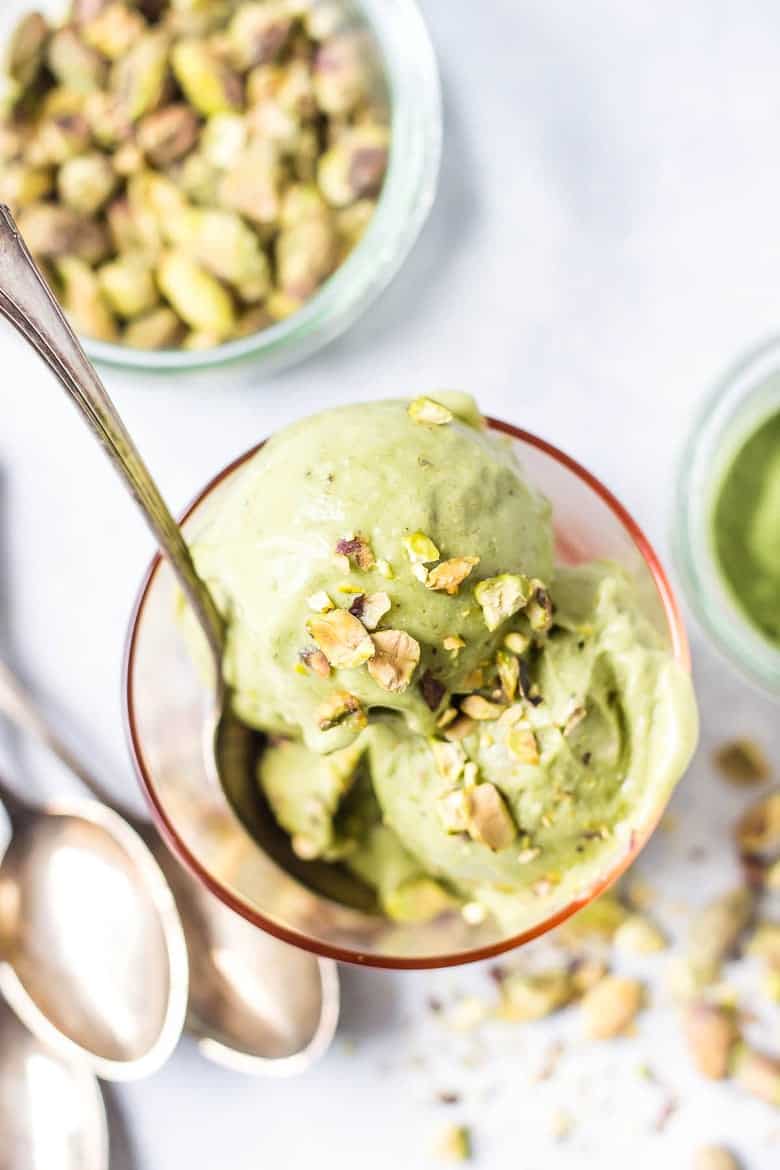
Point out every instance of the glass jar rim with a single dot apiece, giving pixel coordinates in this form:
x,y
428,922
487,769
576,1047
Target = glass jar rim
x,y
738,403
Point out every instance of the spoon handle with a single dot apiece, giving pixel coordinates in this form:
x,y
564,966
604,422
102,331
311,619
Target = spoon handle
x,y
28,303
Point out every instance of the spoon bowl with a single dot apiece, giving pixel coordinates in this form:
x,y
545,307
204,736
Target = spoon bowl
x,y
94,960
51,1112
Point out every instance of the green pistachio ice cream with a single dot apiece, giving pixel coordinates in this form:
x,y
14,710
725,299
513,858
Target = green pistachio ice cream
x,y
451,716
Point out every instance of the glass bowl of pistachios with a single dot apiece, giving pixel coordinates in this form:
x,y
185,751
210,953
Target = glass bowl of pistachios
x,y
204,182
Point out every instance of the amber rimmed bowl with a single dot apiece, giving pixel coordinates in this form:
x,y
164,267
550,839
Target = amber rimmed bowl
x,y
167,705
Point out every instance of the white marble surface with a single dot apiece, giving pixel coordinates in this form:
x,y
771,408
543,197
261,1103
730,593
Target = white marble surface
x,y
606,241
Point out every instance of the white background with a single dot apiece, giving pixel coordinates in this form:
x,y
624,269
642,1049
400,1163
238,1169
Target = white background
x,y
606,242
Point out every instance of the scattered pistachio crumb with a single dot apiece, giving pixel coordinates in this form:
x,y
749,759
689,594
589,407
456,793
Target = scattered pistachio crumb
x,y
427,411
742,762
420,548
455,1144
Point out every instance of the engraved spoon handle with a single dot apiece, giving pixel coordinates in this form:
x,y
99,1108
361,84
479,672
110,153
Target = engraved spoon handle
x,y
28,303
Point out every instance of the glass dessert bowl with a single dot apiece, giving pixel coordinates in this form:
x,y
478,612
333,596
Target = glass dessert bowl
x,y
167,704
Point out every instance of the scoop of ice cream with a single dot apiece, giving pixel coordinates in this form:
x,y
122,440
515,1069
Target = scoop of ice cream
x,y
372,556
576,749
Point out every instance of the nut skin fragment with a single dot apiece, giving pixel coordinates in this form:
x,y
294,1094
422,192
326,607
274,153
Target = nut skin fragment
x,y
429,413
357,549
208,83
315,660
758,829
742,762
337,709
489,820
610,1007
501,597
711,1032
433,691
449,575
197,297
395,660
344,640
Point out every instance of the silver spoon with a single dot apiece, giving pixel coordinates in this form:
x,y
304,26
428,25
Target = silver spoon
x,y
256,1004
230,747
92,952
51,1112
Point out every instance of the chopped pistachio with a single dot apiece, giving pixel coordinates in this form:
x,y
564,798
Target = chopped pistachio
x,y
454,643
159,329
305,256
420,572
370,608
742,762
539,608
448,575
417,900
757,1073
453,809
501,597
455,1144
473,680
711,1032
83,300
138,78
459,728
315,660
128,285
481,709
86,183
638,935
447,717
715,931
526,997
521,743
508,668
758,829
395,659
209,84
420,548
516,642
714,1158
343,640
450,759
320,602
600,919
609,1008
357,549
337,709
426,411
197,297
490,821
